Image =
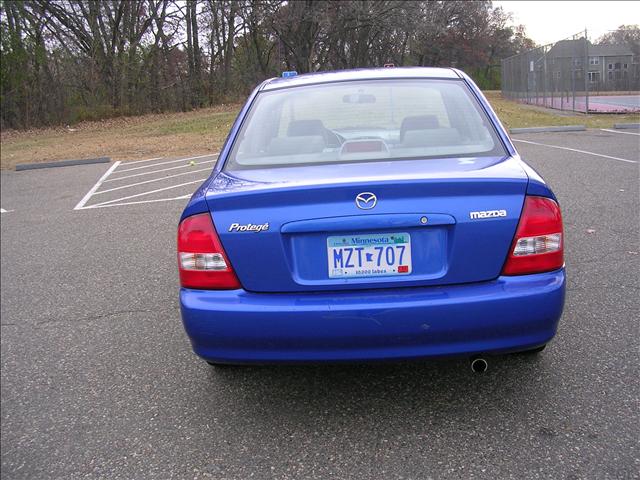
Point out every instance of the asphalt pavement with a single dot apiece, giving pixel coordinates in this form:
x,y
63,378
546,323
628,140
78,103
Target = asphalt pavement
x,y
98,379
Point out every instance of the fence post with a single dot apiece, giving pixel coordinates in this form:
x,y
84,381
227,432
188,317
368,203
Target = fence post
x,y
563,81
535,75
586,72
514,83
545,85
574,71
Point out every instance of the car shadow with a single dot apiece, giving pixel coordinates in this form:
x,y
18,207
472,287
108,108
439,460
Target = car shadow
x,y
382,393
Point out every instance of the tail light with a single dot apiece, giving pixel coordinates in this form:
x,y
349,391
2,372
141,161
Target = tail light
x,y
538,244
202,262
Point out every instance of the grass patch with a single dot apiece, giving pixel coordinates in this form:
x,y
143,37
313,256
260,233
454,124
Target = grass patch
x,y
204,131
125,138
199,125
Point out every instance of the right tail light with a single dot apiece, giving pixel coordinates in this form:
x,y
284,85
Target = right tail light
x,y
538,244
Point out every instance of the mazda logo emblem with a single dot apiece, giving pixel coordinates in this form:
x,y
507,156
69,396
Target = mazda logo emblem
x,y
366,200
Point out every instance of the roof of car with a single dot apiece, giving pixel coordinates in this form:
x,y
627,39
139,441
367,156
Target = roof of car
x,y
360,74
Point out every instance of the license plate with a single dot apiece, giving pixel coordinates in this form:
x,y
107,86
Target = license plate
x,y
372,255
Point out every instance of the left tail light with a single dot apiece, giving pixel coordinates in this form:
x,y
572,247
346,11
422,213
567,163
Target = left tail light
x,y
538,245
202,262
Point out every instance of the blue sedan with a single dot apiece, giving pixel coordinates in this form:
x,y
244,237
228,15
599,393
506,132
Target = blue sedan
x,y
366,215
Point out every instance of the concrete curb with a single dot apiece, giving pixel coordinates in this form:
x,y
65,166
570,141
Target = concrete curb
x,y
63,163
567,128
620,126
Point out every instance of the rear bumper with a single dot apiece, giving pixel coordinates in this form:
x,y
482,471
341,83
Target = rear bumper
x,y
507,314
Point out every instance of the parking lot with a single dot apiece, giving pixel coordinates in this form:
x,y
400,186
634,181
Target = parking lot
x,y
148,181
98,379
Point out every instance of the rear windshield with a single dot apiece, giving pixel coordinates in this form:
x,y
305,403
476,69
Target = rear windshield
x,y
363,121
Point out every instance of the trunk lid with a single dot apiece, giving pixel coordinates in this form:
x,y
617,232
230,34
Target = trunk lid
x,y
311,211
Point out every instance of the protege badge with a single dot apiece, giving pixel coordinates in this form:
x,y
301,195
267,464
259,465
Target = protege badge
x,y
249,227
487,214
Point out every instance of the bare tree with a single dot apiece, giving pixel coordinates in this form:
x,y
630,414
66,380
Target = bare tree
x,y
65,60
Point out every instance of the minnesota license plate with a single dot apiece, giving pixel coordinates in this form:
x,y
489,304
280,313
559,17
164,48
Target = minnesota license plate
x,y
369,255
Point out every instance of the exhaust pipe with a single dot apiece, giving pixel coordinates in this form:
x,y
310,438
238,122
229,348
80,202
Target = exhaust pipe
x,y
479,365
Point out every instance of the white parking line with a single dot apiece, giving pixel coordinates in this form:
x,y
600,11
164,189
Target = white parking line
x,y
2,210
575,150
103,205
146,193
110,175
618,131
86,198
151,181
166,163
143,161
157,171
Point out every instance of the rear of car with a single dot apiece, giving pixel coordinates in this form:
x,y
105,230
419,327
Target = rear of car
x,y
373,214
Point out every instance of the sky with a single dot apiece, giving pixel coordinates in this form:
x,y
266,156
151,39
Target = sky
x,y
550,21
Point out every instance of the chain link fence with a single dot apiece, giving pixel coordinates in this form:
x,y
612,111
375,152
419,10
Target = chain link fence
x,y
574,74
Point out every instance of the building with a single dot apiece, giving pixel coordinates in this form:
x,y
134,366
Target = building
x,y
610,67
